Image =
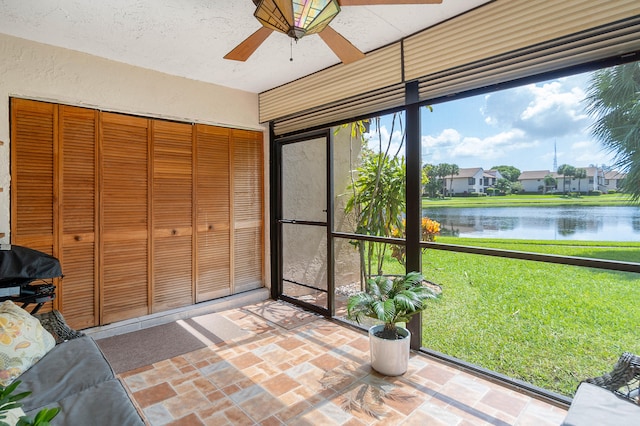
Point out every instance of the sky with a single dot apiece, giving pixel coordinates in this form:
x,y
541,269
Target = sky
x,y
514,127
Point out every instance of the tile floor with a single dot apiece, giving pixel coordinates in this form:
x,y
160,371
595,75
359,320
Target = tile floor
x,y
318,373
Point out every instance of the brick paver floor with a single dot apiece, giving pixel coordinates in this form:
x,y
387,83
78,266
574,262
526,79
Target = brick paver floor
x,y
318,374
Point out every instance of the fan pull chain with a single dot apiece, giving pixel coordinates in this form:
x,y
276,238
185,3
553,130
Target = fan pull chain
x,y
291,44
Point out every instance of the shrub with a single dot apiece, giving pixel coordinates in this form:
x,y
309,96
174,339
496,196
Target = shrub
x,y
430,228
595,192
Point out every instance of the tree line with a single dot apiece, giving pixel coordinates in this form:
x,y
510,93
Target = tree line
x,y
434,178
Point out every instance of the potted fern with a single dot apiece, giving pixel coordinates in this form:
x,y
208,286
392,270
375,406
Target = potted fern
x,y
392,301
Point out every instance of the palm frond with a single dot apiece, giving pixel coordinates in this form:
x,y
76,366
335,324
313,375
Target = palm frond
x,y
391,300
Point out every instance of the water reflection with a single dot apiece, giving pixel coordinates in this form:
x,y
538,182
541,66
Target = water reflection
x,y
619,223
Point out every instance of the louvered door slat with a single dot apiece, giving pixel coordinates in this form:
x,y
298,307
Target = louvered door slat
x,y
125,180
213,277
33,205
77,141
247,210
33,128
172,215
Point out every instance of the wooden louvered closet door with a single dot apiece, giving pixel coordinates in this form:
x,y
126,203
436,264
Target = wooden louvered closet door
x,y
145,215
213,278
77,294
33,213
247,209
172,215
125,217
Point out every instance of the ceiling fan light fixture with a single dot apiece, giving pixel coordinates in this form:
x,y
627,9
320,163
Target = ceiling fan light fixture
x,y
296,18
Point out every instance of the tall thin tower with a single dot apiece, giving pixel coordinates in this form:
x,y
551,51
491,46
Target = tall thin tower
x,y
555,157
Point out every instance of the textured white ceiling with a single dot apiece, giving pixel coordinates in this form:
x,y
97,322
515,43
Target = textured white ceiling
x,y
188,38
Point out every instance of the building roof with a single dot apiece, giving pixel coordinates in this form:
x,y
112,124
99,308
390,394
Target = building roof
x,y
614,175
536,174
468,172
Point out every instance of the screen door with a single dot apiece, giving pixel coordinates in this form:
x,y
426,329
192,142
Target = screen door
x,y
305,259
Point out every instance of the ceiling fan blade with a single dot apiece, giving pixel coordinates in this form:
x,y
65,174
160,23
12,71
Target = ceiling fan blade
x,y
245,49
342,47
376,2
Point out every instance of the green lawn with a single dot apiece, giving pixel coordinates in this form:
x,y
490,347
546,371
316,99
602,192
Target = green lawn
x,y
550,325
624,251
528,200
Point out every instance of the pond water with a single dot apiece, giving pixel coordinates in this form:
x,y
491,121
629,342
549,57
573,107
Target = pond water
x,y
619,223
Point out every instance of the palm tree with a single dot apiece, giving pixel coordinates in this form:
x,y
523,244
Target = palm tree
x,y
453,170
565,170
614,102
549,182
443,172
580,174
431,185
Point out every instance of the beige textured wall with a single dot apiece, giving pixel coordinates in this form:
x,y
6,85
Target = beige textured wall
x,y
38,71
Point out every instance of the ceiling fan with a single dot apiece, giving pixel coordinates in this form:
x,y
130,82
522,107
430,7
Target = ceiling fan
x,y
297,18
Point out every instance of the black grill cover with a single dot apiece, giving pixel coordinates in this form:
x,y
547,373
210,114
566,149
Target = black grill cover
x,y
21,265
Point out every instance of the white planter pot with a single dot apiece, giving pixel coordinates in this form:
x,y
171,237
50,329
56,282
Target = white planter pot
x,y
389,357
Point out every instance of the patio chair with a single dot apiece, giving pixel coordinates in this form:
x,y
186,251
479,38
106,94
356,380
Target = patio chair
x,y
610,399
624,379
54,323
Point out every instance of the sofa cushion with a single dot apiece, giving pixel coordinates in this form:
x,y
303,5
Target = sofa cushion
x,y
105,404
593,405
69,368
23,341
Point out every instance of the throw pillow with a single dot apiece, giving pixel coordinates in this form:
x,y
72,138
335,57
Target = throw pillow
x,y
12,416
23,341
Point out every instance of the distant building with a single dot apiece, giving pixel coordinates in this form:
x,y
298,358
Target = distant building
x,y
490,177
610,180
586,184
477,180
471,180
596,180
533,181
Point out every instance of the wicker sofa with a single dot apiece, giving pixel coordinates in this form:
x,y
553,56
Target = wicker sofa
x,y
611,399
76,377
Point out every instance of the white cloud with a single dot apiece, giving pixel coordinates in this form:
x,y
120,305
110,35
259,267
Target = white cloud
x,y
491,147
451,144
447,137
586,158
586,152
383,138
529,127
551,97
544,111
583,145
